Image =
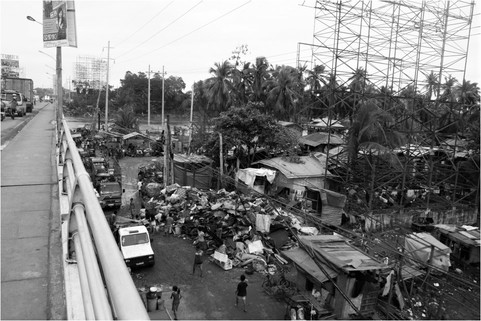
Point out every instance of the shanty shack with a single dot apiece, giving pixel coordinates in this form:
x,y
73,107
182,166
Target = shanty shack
x,y
137,140
306,182
259,179
295,129
334,271
425,248
320,141
293,177
463,240
325,124
193,170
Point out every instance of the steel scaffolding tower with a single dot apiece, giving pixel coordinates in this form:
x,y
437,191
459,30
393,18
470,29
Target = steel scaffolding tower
x,y
90,72
402,55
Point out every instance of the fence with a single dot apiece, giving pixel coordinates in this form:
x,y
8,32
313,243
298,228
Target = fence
x,y
98,284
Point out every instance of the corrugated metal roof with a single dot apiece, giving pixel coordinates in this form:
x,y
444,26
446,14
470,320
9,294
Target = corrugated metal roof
x,y
319,138
184,158
306,263
289,124
130,135
308,167
134,134
336,250
461,235
324,122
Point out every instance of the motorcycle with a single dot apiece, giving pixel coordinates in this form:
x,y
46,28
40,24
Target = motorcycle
x,y
3,111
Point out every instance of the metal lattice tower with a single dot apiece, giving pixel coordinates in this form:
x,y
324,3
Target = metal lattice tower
x,y
90,72
391,50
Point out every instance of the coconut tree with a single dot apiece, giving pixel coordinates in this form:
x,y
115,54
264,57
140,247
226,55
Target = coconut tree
x,y
372,132
261,76
126,120
449,89
467,93
242,83
431,84
219,86
316,78
284,93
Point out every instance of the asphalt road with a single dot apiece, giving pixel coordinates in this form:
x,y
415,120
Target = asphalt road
x,y
11,127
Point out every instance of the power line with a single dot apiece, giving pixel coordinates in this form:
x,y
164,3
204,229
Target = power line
x,y
155,34
161,10
191,32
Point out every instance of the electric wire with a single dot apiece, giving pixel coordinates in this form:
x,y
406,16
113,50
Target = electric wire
x,y
145,24
155,34
191,32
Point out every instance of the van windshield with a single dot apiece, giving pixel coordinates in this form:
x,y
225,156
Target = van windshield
x,y
135,239
109,188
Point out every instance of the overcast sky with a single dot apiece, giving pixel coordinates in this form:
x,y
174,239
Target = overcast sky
x,y
185,36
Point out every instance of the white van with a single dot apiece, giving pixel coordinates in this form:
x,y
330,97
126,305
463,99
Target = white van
x,y
134,243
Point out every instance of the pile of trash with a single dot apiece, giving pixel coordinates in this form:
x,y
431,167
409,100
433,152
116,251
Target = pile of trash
x,y
239,230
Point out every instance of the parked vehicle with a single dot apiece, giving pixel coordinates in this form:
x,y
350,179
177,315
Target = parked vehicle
x,y
110,194
134,244
23,86
3,110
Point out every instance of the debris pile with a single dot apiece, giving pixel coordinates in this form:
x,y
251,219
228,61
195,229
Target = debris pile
x,y
246,230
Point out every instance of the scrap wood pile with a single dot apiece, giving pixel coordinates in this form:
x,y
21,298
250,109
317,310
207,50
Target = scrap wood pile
x,y
245,229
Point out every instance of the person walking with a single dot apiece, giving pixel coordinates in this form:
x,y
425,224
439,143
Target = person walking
x,y
198,260
132,208
200,241
241,292
169,221
139,188
13,106
175,296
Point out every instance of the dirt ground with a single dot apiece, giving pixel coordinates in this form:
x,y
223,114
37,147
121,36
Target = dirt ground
x,y
211,297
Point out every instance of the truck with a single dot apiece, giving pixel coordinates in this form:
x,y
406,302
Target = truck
x,y
110,194
24,86
134,244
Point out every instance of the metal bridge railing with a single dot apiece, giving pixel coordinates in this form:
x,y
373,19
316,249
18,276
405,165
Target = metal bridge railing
x,y
107,289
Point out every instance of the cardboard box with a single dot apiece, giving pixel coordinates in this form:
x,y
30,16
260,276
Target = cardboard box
x,y
222,260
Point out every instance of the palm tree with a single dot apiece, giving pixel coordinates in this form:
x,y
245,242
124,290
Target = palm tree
x,y
316,78
125,120
358,81
284,93
467,93
431,83
219,87
242,83
372,132
448,87
261,76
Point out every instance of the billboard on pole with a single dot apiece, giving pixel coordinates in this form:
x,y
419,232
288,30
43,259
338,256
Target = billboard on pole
x,y
10,66
59,26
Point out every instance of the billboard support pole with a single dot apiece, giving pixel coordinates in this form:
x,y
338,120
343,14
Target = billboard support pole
x,y
59,88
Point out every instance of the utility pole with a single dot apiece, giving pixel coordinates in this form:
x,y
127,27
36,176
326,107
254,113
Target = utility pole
x,y
163,77
107,91
166,154
59,89
191,118
148,97
148,100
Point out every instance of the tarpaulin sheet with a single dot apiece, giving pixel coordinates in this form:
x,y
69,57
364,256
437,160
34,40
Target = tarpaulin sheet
x,y
248,175
418,246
